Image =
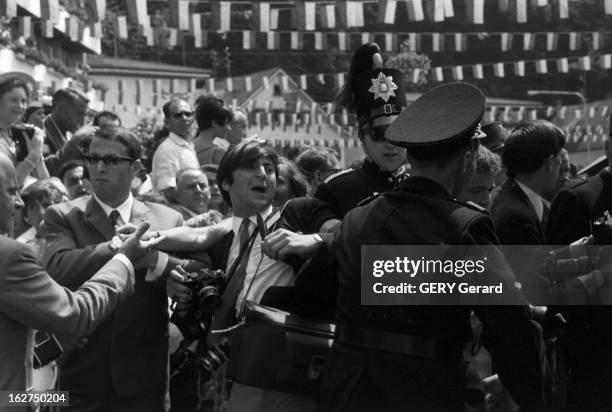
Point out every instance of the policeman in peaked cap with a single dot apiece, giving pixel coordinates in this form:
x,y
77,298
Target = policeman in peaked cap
x,y
408,357
376,96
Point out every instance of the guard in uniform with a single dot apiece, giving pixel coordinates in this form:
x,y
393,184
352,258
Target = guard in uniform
x,y
376,96
409,358
589,337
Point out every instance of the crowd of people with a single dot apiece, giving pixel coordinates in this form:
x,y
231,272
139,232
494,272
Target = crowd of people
x,y
164,279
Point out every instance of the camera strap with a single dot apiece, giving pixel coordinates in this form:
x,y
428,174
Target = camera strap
x,y
223,316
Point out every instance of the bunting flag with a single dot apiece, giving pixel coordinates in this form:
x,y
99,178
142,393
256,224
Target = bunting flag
x,y
550,111
137,12
179,14
390,42
528,41
519,68
498,70
229,84
503,5
606,61
248,84
303,82
46,29
25,26
195,29
573,41
434,10
318,41
541,66
457,73
260,17
416,75
285,83
304,15
342,41
350,14
562,7
474,11
328,16
563,65
72,28
584,63
460,42
533,114
506,41
139,91
449,10
596,40
191,86
221,15
607,6
366,38
438,75
121,30
49,10
437,42
477,71
414,8
296,40
120,91
517,11
172,37
8,8
274,13
414,42
147,33
211,86
386,11
266,82
551,41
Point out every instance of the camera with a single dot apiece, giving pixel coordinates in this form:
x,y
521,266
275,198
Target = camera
x,y
21,146
193,318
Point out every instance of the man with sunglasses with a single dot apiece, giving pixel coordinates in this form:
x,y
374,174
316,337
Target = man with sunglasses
x,y
376,96
124,364
177,151
407,357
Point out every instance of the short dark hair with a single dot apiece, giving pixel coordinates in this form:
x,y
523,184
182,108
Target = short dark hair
x,y
243,155
124,136
209,110
68,95
529,145
105,113
72,164
316,158
9,85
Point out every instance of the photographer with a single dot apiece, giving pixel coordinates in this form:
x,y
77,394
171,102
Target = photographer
x,y
23,144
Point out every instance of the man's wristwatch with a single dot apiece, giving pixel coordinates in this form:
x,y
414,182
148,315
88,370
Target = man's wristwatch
x,y
318,238
115,244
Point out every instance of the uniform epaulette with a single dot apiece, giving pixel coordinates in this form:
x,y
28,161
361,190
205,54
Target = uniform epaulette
x,y
336,175
577,181
471,205
368,199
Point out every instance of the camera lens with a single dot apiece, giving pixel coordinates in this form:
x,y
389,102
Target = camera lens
x,y
209,298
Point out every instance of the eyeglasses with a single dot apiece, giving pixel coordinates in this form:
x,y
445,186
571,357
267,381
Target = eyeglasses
x,y
180,115
200,186
107,160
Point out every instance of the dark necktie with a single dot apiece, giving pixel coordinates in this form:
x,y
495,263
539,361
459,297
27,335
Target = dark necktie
x,y
114,218
224,316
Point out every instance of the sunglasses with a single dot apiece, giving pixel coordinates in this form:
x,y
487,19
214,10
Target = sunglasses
x,y
107,160
376,135
180,115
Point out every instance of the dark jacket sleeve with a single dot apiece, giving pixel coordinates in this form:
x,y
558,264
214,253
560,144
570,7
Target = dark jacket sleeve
x,y
568,220
66,153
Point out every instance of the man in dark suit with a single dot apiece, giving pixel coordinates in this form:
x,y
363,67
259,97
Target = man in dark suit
x,y
410,357
29,298
124,364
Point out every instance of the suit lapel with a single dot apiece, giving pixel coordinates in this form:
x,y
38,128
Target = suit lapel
x,y
98,219
140,212
523,196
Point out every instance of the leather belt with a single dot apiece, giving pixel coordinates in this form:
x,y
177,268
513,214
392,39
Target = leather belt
x,y
387,341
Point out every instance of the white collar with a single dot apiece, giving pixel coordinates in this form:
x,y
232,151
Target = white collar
x,y
237,221
537,201
124,209
178,140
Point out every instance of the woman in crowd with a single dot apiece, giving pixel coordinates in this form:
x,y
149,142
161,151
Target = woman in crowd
x,y
290,182
23,145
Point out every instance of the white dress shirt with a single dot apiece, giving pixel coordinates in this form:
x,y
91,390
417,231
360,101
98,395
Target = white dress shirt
x,y
174,154
271,272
